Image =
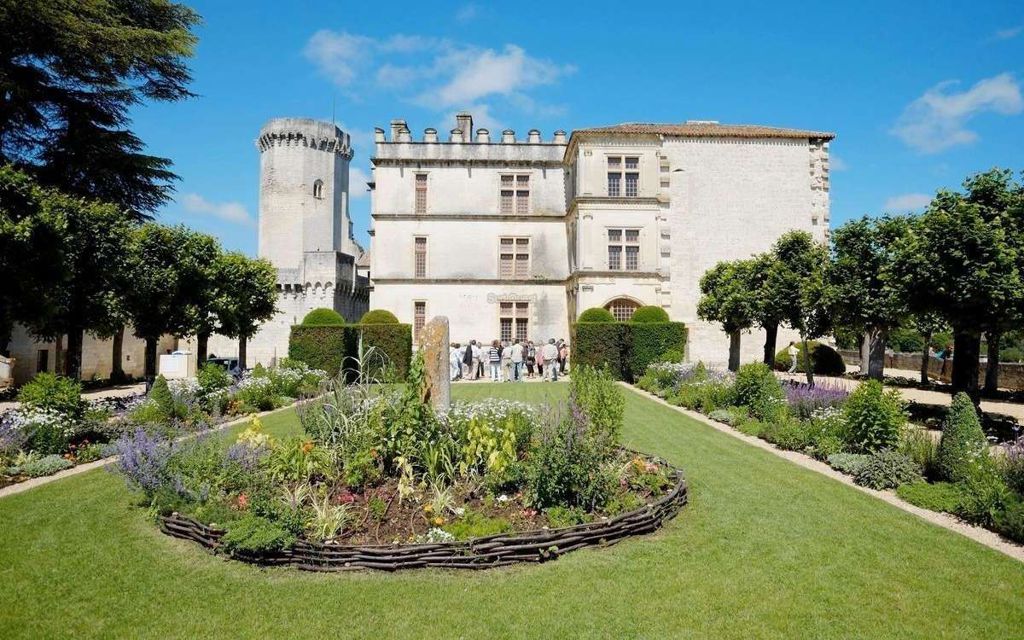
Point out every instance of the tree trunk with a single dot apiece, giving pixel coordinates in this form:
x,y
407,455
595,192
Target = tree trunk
x,y
966,355
876,354
734,350
150,368
808,362
992,368
6,328
202,347
73,355
926,358
58,355
241,352
771,334
116,357
865,353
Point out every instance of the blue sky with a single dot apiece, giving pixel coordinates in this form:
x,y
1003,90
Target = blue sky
x,y
920,94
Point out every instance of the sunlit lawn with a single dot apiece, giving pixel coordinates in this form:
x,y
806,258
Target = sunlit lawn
x,y
765,549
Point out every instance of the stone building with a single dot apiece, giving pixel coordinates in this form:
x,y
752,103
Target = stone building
x,y
515,238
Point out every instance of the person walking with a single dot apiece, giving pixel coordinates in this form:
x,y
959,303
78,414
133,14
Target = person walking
x,y
563,354
477,359
467,361
506,361
494,359
793,353
453,361
531,358
551,360
540,360
517,361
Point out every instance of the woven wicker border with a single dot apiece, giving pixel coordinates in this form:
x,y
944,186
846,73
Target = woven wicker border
x,y
479,553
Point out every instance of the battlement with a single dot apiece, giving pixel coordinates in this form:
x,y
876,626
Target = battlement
x,y
463,133
304,132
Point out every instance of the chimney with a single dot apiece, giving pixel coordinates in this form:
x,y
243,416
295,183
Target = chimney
x,y
483,135
378,135
404,135
430,135
533,137
508,136
396,128
559,137
464,122
456,136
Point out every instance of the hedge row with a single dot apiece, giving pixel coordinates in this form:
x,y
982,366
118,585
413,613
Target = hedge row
x,y
333,348
626,347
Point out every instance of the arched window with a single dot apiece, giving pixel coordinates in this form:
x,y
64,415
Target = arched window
x,y
318,189
622,308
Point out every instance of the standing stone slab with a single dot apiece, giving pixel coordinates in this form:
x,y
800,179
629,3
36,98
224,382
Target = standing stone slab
x,y
434,342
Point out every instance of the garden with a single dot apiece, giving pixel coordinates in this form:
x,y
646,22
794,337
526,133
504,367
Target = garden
x,y
867,435
54,428
378,479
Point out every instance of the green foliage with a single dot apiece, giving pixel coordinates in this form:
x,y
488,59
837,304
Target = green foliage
x,y
39,467
48,391
705,396
758,389
848,463
474,524
984,496
825,360
1010,522
937,496
378,316
787,433
257,535
298,460
919,446
649,313
323,318
247,294
599,396
627,348
213,378
874,417
560,517
673,356
596,314
320,347
566,465
161,396
648,341
905,340
963,444
387,349
886,469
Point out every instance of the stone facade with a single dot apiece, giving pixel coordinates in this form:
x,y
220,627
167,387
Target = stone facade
x,y
617,217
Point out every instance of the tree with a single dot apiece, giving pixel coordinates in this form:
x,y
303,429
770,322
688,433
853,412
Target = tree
x,y
70,72
768,282
727,297
965,261
865,291
249,297
804,289
927,324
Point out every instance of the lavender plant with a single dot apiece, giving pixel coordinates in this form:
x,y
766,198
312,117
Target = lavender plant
x,y
804,399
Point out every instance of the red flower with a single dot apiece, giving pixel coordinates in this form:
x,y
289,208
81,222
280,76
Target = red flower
x,y
243,502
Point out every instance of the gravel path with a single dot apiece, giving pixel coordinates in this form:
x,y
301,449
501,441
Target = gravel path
x,y
944,520
110,392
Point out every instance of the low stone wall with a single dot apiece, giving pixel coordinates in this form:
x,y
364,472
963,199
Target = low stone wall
x,y
479,553
1011,374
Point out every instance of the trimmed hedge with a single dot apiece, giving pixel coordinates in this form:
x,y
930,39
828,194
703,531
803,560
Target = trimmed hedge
x,y
627,348
596,314
323,317
826,360
649,313
378,316
333,348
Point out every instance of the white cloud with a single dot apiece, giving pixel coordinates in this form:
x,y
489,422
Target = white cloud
x,y
478,74
234,212
1007,34
937,119
835,163
907,202
357,179
338,54
467,13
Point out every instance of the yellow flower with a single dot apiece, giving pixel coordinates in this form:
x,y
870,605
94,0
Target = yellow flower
x,y
428,508
439,521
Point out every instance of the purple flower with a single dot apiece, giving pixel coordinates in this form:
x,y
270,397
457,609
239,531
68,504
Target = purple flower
x,y
246,456
805,399
143,459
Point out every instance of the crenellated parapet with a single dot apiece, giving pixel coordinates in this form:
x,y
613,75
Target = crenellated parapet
x,y
304,132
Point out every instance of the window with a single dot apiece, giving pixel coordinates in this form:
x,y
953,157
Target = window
x,y
318,189
419,318
420,257
42,360
421,193
515,194
514,258
513,320
622,309
630,175
623,241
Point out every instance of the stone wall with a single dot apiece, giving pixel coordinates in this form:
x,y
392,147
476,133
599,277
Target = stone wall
x,y
1011,374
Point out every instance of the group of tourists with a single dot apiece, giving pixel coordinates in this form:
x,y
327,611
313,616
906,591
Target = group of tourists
x,y
509,360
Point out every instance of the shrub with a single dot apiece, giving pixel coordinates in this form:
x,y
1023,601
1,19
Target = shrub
x,y
323,318
919,446
804,399
39,429
213,378
787,433
378,316
565,465
983,496
673,356
874,417
596,314
825,360
649,313
1010,522
597,394
598,344
320,347
387,350
963,442
256,535
560,517
937,496
45,466
647,343
49,391
1012,464
731,416
473,524
758,389
886,469
848,463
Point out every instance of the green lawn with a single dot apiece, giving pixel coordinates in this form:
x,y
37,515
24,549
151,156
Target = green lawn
x,y
765,549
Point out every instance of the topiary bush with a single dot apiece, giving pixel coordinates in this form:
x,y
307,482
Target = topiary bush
x,y
387,349
320,347
758,389
49,391
886,469
874,417
323,318
649,313
963,444
598,344
647,343
596,314
825,360
378,316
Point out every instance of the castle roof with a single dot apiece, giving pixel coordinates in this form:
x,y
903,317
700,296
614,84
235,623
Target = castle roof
x,y
704,129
